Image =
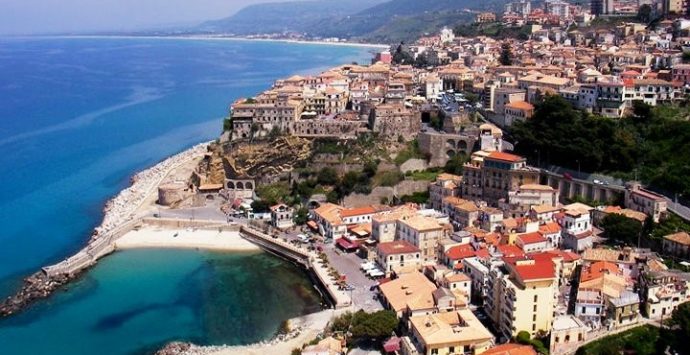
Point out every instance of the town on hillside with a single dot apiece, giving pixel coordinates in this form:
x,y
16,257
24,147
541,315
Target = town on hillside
x,y
407,176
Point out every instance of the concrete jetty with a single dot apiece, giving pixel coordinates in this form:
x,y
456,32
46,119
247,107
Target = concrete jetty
x,y
120,216
309,259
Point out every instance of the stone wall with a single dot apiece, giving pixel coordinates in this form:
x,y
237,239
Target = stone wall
x,y
440,147
326,128
407,187
414,165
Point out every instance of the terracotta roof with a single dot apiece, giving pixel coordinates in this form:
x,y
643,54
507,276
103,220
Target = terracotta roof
x,y
520,105
597,270
397,247
505,157
460,252
457,277
528,269
544,209
531,238
549,228
510,251
329,212
357,211
536,187
680,238
511,349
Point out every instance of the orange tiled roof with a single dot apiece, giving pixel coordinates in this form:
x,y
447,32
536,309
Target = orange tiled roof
x,y
505,157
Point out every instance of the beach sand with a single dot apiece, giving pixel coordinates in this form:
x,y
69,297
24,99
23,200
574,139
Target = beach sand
x,y
156,237
308,327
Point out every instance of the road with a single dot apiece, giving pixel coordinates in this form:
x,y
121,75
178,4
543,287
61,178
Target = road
x,y
348,264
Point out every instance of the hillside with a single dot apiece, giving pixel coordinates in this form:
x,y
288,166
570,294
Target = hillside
x,y
300,16
370,20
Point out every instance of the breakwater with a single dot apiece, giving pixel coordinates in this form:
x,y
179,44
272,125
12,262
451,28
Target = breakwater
x,y
120,217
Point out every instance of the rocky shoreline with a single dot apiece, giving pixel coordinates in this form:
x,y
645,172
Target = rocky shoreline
x,y
118,211
35,287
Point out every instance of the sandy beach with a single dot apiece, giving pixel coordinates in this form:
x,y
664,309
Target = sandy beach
x,y
219,38
304,329
157,237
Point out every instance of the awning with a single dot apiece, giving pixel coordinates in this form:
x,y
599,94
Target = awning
x,y
392,345
312,225
346,244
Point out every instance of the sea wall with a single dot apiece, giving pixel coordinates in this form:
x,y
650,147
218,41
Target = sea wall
x,y
120,217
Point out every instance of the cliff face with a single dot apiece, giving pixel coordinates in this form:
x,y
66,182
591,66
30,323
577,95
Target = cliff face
x,y
267,159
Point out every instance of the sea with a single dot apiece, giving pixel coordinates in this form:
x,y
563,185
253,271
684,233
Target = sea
x,y
80,116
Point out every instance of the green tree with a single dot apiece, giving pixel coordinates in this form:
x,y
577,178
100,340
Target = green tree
x,y
301,216
506,57
644,13
260,206
327,176
377,325
621,228
454,165
227,124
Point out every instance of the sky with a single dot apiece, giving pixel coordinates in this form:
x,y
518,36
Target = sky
x,y
60,16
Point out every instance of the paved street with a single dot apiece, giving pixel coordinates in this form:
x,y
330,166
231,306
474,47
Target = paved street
x,y
348,265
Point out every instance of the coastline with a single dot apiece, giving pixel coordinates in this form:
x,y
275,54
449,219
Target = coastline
x,y
302,330
166,238
213,38
121,214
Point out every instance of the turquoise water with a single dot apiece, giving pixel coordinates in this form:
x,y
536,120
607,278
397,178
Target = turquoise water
x,y
77,118
136,301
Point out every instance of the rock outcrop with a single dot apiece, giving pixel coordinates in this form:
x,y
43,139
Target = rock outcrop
x,y
268,158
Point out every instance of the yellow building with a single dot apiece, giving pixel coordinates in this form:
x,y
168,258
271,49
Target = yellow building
x,y
522,295
458,332
423,232
411,292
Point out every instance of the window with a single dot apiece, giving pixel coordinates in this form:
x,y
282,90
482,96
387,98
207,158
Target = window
x,y
535,298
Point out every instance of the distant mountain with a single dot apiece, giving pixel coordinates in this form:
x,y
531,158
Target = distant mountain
x,y
372,20
299,16
412,17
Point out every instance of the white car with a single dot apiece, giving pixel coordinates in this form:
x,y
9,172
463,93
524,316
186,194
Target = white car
x,y
368,266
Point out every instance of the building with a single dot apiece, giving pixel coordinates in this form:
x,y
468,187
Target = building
x,y
409,294
521,295
511,349
567,333
462,213
458,332
502,173
281,216
384,225
327,218
532,242
662,292
517,111
576,224
394,121
681,73
485,17
641,200
677,244
445,185
528,196
434,87
422,232
398,256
